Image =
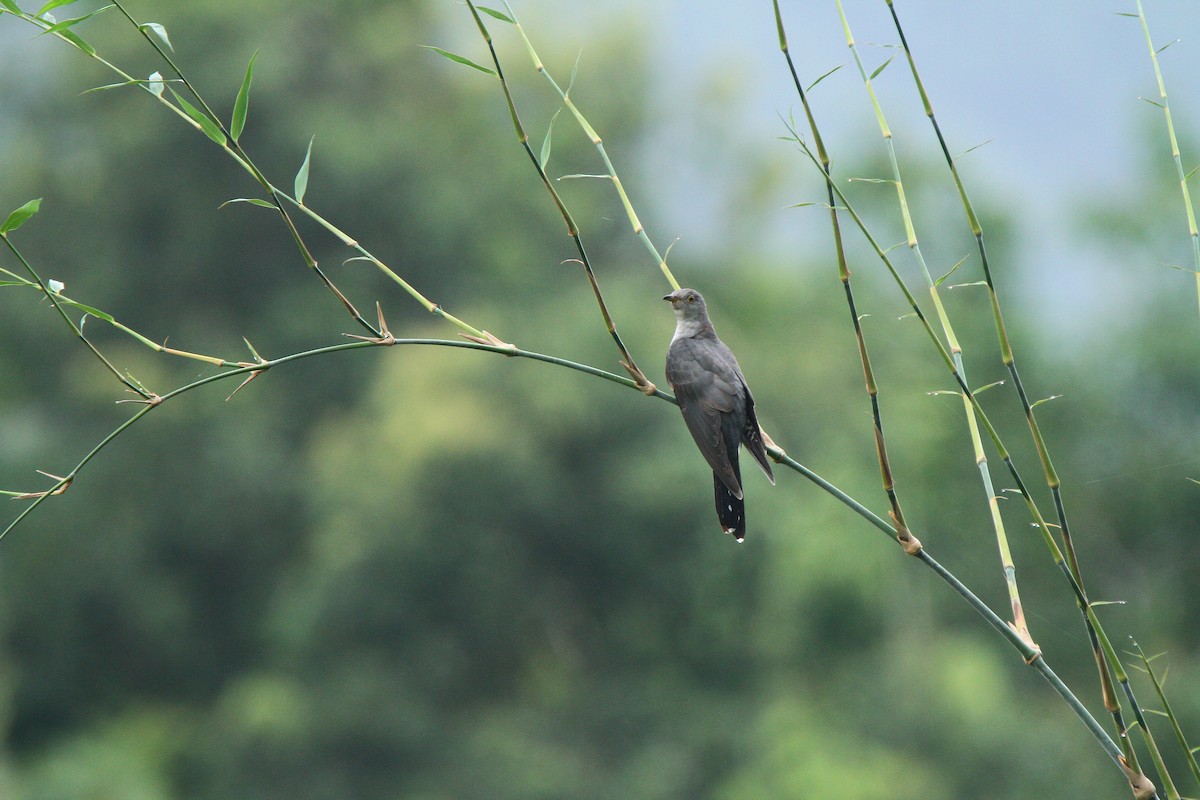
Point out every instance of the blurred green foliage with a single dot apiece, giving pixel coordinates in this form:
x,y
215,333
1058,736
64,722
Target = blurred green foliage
x,y
428,573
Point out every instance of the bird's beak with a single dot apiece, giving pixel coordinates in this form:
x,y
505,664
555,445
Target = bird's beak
x,y
668,297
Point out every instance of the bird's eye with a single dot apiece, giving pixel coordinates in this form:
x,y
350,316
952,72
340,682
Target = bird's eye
x,y
691,298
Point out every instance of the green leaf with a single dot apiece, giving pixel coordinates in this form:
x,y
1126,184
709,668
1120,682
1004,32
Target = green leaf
x,y
957,264
74,39
11,6
58,27
302,174
581,175
1165,46
500,15
545,154
983,389
94,312
242,103
459,59
812,85
159,31
19,217
133,82
973,147
52,5
155,85
210,128
880,69
1045,400
257,201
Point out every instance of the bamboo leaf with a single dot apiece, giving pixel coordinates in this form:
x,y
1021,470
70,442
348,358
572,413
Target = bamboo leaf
x,y
11,6
581,175
1165,46
302,174
210,128
458,59
59,27
880,69
133,82
51,5
74,39
159,31
155,84
574,70
1151,102
983,389
813,85
257,201
973,147
544,157
1045,400
19,217
500,15
242,103
957,264
92,312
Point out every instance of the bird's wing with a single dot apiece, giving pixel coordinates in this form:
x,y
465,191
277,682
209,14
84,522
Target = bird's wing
x,y
752,437
708,385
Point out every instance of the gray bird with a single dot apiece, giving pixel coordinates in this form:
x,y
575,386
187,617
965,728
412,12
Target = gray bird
x,y
716,404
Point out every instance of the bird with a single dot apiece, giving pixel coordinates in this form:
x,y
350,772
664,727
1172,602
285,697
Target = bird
x,y
716,404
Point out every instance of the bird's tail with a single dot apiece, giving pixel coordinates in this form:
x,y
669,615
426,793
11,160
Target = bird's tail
x,y
731,509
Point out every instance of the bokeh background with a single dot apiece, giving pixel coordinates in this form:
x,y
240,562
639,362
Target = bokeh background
x,y
431,573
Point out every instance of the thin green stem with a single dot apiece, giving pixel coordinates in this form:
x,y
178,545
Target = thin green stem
x,y
1008,358
55,300
627,360
904,536
1164,103
1008,567
638,229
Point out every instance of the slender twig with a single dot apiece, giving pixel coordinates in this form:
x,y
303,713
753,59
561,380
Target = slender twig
x,y
1164,104
572,229
1109,696
638,229
904,536
1008,568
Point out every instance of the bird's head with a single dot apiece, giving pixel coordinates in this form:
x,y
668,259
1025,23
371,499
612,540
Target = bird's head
x,y
688,304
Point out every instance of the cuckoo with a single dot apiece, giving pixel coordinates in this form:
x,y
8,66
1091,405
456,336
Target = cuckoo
x,y
716,404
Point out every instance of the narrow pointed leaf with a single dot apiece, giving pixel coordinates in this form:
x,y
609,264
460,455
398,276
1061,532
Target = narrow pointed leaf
x,y
210,128
302,174
544,157
51,5
19,217
11,6
1045,400
257,201
880,69
74,39
500,15
93,312
957,264
107,86
58,27
159,31
812,85
458,59
242,103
